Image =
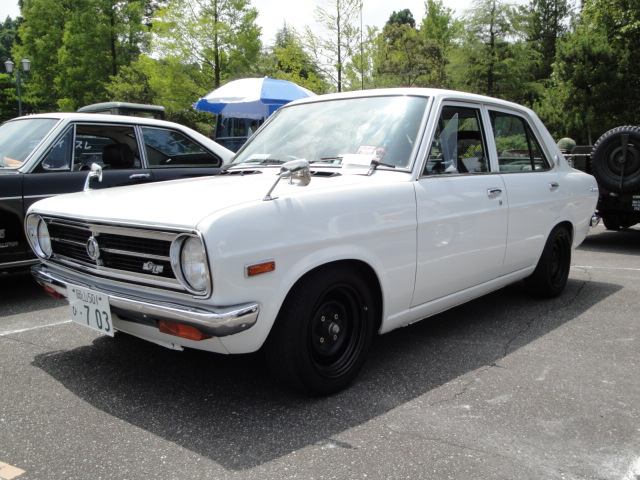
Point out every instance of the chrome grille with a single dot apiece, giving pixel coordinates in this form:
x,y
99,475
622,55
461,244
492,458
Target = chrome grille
x,y
133,254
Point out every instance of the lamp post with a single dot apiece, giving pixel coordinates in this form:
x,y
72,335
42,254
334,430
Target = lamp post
x,y
26,66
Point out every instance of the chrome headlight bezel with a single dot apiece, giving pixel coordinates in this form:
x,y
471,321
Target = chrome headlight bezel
x,y
38,236
193,275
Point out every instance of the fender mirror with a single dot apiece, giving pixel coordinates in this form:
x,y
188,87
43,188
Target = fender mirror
x,y
95,174
297,171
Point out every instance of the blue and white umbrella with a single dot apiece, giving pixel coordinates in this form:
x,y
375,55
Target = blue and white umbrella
x,y
254,98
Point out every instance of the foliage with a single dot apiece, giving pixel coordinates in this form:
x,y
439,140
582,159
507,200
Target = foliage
x,y
288,60
336,47
584,78
76,45
218,38
8,31
438,24
578,70
403,17
408,59
545,23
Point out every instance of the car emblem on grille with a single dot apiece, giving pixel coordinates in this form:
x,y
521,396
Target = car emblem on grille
x,y
152,267
92,248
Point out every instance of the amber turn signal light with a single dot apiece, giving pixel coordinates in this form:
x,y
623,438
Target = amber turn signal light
x,y
182,331
260,268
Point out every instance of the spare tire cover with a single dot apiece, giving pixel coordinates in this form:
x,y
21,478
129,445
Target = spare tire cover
x,y
615,167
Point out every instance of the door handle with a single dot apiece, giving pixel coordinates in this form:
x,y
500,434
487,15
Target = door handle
x,y
554,186
140,176
494,192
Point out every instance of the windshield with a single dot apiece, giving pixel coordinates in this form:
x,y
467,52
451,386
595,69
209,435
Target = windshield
x,y
20,137
383,128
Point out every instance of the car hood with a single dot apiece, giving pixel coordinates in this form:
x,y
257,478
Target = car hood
x,y
185,203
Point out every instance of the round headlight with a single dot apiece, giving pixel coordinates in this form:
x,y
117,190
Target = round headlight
x,y
190,263
44,240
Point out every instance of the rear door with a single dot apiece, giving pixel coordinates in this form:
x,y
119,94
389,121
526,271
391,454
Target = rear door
x,y
533,187
172,154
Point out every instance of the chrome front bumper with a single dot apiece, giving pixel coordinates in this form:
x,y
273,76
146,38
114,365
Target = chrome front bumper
x,y
216,321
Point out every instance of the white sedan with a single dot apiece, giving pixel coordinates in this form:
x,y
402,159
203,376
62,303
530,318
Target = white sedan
x,y
344,216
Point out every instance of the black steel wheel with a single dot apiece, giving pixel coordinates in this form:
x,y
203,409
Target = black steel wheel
x,y
552,272
323,332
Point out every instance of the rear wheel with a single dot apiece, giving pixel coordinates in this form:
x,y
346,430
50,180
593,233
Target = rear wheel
x,y
611,222
552,272
323,332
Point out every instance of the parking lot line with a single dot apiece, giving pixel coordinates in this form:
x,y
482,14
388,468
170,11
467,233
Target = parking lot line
x,y
606,268
7,472
11,332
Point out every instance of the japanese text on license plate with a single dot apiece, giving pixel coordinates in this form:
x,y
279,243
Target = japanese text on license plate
x,y
90,308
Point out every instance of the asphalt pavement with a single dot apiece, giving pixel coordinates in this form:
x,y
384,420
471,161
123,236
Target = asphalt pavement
x,y
508,386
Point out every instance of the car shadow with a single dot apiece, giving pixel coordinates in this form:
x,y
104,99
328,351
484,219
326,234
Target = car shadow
x,y
20,294
228,409
625,241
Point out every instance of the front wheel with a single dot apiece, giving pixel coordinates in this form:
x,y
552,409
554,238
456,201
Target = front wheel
x,y
323,332
552,272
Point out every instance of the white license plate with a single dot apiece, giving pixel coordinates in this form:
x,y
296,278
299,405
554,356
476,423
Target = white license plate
x,y
90,308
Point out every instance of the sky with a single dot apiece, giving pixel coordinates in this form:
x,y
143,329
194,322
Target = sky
x,y
297,13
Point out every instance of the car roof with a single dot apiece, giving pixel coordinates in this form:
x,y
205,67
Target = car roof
x,y
98,117
436,93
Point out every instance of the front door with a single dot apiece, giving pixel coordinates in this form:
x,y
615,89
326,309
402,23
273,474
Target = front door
x,y
462,211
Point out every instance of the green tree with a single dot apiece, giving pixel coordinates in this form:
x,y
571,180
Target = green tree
x,y
288,60
546,22
41,35
165,82
335,48
490,59
580,102
407,59
8,30
219,38
439,24
359,72
77,45
403,17
619,23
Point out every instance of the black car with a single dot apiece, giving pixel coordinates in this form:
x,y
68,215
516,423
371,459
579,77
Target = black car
x,y
50,154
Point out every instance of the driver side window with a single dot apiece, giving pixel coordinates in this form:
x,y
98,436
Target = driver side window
x,y
458,146
59,157
170,148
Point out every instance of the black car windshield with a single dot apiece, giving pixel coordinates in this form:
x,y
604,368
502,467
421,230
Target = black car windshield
x,y
20,137
384,128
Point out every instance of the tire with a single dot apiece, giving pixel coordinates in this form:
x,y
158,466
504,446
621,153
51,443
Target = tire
x,y
323,331
552,272
611,222
611,169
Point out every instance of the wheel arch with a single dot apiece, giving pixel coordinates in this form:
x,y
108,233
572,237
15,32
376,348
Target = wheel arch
x,y
365,270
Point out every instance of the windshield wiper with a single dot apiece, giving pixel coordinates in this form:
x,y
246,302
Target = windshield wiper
x,y
375,164
270,161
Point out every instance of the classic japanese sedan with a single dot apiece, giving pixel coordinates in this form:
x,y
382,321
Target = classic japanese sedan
x,y
49,154
344,216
